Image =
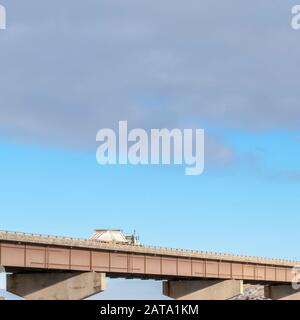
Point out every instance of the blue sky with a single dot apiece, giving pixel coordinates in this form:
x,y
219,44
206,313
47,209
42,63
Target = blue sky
x,y
65,192
230,71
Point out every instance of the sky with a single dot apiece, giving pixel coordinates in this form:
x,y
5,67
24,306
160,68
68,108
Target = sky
x,y
69,69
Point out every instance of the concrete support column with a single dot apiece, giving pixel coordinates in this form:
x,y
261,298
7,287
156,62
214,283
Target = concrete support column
x,y
202,289
282,292
56,286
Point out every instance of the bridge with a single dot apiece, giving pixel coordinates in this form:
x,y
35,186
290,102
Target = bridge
x,y
44,267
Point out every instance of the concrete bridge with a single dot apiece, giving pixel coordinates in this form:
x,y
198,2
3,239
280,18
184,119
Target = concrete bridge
x,y
43,267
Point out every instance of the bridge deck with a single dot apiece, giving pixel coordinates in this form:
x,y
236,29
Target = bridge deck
x,y
31,251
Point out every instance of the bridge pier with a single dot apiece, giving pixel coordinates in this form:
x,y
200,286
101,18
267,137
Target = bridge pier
x,y
56,286
282,292
202,289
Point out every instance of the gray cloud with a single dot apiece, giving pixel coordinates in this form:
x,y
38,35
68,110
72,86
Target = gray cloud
x,y
68,69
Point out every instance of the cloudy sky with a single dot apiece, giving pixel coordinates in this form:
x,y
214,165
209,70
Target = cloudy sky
x,y
68,69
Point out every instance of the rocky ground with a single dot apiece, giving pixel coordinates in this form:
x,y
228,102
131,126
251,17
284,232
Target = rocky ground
x,y
252,292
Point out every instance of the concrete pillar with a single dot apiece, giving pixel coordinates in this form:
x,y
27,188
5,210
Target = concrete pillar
x,y
202,289
282,292
56,286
